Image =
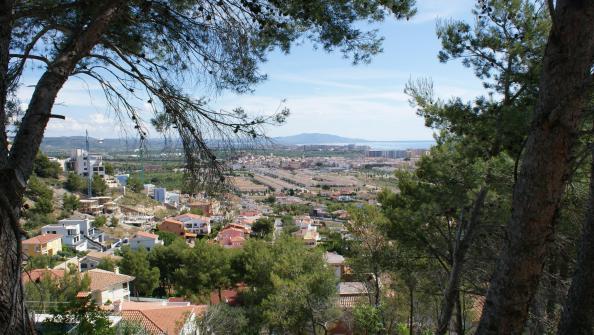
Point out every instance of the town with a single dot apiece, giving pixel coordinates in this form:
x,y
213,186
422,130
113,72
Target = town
x,y
319,167
149,251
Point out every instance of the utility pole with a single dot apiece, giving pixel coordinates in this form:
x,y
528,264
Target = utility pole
x,y
89,167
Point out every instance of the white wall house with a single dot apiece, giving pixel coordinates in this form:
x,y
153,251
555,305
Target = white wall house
x,y
78,234
197,224
71,236
144,240
107,286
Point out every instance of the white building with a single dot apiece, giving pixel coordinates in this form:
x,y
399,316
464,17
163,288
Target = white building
x,y
107,286
78,234
197,224
144,240
80,161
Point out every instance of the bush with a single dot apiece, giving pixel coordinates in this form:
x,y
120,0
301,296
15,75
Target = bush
x,y
70,203
99,185
100,221
45,168
75,183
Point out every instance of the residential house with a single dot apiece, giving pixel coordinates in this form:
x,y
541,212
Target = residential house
x,y
310,236
231,237
336,262
105,286
162,317
48,244
176,227
78,234
208,207
197,224
145,240
93,258
350,293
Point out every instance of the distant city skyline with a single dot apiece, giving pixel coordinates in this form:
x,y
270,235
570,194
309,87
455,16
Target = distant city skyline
x,y
324,92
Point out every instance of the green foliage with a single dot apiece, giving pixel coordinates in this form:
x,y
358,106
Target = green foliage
x,y
99,185
197,211
135,184
75,183
45,168
367,320
167,237
70,203
168,259
263,227
109,170
107,263
41,262
222,319
290,285
90,319
37,189
100,221
43,206
54,290
115,221
136,263
205,267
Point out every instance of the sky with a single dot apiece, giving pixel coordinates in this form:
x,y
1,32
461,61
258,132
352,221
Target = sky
x,y
324,92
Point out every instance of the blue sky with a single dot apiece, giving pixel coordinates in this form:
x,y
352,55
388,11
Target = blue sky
x,y
324,92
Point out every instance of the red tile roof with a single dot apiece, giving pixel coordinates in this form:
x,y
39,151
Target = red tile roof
x,y
41,239
146,234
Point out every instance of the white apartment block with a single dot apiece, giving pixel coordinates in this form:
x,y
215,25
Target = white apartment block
x,y
80,162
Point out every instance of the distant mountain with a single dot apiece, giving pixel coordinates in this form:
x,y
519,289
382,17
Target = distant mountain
x,y
315,138
66,143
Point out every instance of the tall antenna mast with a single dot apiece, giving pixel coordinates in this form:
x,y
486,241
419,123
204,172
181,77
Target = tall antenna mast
x,y
89,167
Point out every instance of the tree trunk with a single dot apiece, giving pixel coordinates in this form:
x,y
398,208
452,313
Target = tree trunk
x,y
464,238
18,166
564,89
460,327
412,309
577,317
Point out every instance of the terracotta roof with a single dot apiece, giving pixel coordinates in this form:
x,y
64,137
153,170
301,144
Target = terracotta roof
x,y
159,319
174,221
41,239
37,274
100,255
146,234
101,279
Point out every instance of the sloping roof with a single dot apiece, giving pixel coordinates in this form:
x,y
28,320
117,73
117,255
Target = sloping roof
x,y
147,235
138,317
101,279
333,258
190,216
37,274
160,319
173,221
352,288
100,255
41,239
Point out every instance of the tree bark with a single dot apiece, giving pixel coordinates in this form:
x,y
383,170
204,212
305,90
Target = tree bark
x,y
577,317
564,88
19,164
464,238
